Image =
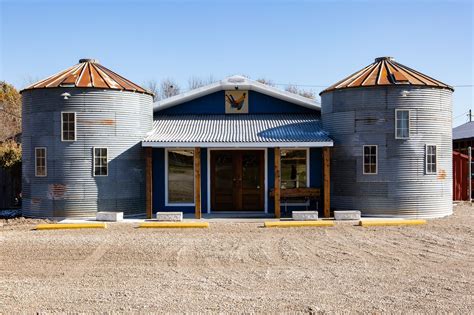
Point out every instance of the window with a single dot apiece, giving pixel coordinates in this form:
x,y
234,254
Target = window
x,y
294,172
180,179
402,124
40,162
293,169
370,159
100,162
431,159
68,126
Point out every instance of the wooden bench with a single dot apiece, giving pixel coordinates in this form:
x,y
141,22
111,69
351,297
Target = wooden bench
x,y
308,193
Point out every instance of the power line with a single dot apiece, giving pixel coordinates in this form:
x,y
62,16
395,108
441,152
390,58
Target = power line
x,y
461,115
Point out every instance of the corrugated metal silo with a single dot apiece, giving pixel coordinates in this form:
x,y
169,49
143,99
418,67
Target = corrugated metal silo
x,y
111,112
360,110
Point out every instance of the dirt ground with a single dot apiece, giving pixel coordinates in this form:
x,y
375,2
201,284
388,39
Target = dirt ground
x,y
240,267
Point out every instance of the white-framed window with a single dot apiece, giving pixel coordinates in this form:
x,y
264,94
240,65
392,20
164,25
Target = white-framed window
x,y
370,154
402,124
294,171
179,177
68,126
100,161
431,159
41,168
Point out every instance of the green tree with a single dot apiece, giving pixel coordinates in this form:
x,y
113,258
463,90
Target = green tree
x,y
10,111
10,153
10,125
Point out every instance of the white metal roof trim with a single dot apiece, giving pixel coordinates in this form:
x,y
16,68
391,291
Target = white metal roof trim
x,y
238,128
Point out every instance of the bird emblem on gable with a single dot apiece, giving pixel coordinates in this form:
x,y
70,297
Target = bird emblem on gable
x,y
236,103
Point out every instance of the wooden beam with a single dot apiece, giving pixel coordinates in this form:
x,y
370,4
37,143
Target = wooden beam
x,y
197,183
149,182
277,171
327,182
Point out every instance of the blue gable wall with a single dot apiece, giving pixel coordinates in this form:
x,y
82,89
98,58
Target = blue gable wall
x,y
214,103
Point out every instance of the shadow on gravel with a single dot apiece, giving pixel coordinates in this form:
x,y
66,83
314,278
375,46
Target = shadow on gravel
x,y
10,213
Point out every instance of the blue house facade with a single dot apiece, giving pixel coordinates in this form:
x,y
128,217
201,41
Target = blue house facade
x,y
226,146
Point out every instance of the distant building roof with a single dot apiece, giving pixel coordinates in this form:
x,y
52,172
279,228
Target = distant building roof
x,y
88,73
272,130
386,71
236,82
465,131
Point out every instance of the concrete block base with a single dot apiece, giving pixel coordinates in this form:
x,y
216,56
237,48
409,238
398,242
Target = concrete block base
x,y
169,216
304,215
347,215
109,216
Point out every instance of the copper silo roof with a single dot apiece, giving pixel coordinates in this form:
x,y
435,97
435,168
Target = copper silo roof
x,y
88,73
386,71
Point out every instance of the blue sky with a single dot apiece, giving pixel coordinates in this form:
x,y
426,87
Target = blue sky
x,y
298,42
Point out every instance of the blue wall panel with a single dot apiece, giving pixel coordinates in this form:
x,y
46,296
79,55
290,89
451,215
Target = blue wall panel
x,y
209,104
316,174
263,104
214,103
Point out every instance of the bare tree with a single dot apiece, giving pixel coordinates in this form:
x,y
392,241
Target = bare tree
x,y
169,88
291,88
305,93
308,94
266,81
196,82
152,86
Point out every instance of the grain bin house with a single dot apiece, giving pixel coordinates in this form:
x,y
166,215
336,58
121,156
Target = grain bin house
x,y
94,142
391,127
82,132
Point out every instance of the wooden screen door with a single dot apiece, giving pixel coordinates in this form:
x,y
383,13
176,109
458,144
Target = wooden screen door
x,y
237,180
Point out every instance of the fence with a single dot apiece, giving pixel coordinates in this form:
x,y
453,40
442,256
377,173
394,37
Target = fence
x,y
10,186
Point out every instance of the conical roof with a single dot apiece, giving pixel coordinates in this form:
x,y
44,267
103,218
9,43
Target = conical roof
x,y
386,71
88,73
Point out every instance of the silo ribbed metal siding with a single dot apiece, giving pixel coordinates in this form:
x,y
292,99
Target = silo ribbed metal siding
x,y
401,188
105,118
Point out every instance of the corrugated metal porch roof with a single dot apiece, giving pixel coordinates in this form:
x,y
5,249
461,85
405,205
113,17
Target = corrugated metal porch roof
x,y
265,130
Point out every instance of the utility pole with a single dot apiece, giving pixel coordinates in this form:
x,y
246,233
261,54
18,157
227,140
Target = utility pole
x,y
470,115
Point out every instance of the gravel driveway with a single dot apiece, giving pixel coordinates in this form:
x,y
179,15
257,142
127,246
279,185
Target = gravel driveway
x,y
240,267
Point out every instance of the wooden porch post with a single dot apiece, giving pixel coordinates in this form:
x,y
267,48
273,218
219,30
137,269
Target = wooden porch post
x,y
327,182
197,183
149,182
277,182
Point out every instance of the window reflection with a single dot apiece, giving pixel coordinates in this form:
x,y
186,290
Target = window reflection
x,y
180,176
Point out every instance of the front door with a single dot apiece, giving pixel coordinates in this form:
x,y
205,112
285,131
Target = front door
x,y
237,180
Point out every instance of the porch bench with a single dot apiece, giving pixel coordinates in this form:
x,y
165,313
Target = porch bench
x,y
307,193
